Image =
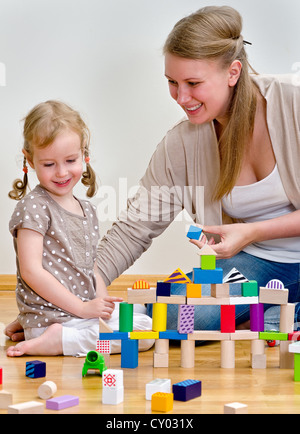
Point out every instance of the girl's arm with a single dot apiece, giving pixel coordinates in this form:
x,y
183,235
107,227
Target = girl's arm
x,y
30,253
235,237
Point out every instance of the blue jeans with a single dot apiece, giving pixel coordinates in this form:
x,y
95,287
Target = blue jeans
x,y
253,268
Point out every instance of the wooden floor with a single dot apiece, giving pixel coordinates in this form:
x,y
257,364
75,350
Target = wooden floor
x,y
264,391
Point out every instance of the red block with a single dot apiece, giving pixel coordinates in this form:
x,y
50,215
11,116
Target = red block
x,y
228,319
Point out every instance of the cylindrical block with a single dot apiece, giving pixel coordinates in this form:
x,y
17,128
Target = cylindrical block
x,y
47,390
159,317
228,354
257,317
126,317
258,347
162,346
187,354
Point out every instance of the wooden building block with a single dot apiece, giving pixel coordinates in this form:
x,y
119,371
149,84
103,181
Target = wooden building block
x,y
208,276
208,301
186,315
208,335
273,296
47,390
187,354
144,334
104,327
287,318
162,346
130,354
258,361
112,396
159,317
237,300
62,402
5,399
163,289
162,402
187,390
273,336
157,385
227,319
113,379
228,354
141,296
160,360
286,359
173,299
194,232
1,375
207,262
257,347
296,367
244,335
250,289
126,317
235,408
35,369
141,284
30,407
193,290
257,323
219,290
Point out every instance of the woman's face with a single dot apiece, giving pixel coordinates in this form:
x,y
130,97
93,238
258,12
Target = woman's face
x,y
203,88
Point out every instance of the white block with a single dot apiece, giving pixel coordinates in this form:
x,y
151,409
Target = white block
x,y
112,396
47,390
236,300
235,408
158,385
112,379
295,347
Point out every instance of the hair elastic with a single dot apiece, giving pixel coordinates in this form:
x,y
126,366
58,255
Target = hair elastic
x,y
87,159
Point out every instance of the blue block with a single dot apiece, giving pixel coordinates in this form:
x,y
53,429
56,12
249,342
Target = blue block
x,y
130,354
173,334
208,276
194,233
186,390
35,369
163,289
115,336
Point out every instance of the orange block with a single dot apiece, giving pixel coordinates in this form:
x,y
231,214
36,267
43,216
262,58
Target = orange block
x,y
141,284
161,401
193,290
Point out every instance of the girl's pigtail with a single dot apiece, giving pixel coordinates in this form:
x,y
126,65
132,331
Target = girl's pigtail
x,y
89,177
19,186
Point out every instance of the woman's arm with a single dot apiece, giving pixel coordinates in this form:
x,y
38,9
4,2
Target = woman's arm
x,y
235,237
30,253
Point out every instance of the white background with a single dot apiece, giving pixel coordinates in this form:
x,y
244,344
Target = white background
x,y
104,58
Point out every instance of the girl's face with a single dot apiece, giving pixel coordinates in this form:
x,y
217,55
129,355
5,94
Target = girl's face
x,y
203,88
59,165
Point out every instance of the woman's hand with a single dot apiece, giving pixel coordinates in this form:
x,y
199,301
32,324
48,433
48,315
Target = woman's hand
x,y
233,238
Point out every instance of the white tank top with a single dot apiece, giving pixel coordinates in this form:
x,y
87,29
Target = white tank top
x,y
264,200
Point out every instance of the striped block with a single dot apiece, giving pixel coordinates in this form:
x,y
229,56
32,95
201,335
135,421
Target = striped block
x,y
141,284
275,284
178,277
35,369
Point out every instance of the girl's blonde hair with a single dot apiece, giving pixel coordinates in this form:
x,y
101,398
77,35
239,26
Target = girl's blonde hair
x,y
41,126
215,33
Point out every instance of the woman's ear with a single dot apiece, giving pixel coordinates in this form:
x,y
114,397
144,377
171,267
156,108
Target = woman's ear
x,y
235,70
28,158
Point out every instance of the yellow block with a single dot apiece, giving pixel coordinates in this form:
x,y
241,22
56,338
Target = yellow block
x,y
159,317
146,334
193,290
161,401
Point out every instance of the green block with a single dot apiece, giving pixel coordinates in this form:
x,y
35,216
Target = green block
x,y
126,317
208,262
273,336
297,367
250,289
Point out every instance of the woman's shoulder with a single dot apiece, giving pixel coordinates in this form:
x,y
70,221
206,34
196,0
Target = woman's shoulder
x,y
279,84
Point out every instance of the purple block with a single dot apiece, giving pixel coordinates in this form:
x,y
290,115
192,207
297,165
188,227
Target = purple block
x,y
257,323
186,315
186,390
62,402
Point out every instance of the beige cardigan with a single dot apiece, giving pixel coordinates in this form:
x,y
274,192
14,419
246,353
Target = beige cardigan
x,y
189,156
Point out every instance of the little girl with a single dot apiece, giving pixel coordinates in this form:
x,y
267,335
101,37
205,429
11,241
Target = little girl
x,y
60,293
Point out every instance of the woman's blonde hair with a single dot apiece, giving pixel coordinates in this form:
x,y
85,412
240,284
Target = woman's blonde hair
x,y
41,126
215,33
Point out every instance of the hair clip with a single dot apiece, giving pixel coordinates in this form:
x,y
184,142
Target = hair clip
x,y
246,42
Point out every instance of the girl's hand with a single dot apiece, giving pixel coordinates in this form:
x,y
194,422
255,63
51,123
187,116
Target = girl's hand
x,y
99,307
233,238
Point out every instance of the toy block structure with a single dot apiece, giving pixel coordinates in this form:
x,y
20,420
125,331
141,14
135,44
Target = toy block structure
x,y
162,402
62,402
273,293
35,369
112,387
